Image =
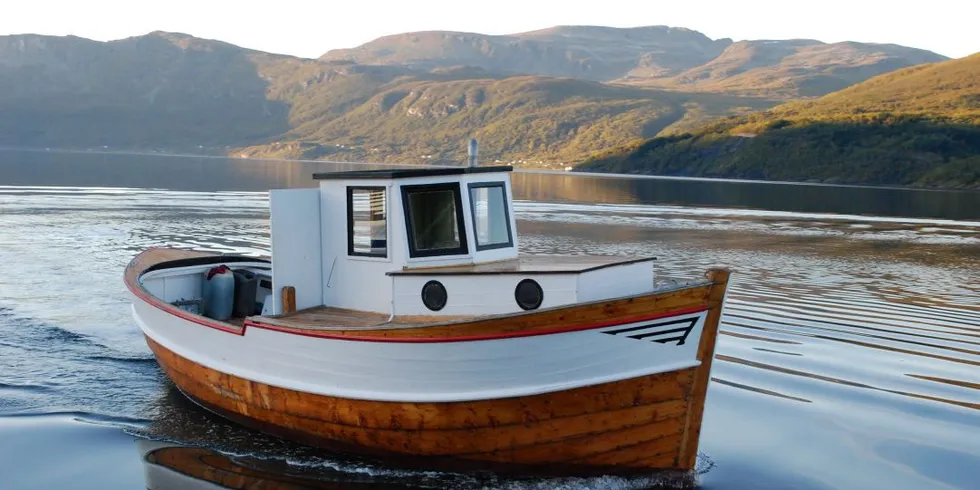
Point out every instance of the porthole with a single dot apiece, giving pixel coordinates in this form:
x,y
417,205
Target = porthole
x,y
528,294
434,295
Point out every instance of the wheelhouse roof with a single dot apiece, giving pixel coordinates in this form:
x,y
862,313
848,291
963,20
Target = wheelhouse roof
x,y
407,173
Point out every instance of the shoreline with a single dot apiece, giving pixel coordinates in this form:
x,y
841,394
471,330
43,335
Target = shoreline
x,y
516,169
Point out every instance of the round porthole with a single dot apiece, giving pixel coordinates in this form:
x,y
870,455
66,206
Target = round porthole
x,y
528,294
434,295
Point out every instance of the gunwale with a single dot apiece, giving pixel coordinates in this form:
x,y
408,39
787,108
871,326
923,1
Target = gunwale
x,y
417,333
413,329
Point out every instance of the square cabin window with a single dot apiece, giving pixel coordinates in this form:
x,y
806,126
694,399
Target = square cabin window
x,y
434,220
491,223
367,227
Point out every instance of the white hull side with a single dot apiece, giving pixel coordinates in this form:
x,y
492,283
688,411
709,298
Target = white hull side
x,y
430,371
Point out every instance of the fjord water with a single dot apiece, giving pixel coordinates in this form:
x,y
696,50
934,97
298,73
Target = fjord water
x,y
849,354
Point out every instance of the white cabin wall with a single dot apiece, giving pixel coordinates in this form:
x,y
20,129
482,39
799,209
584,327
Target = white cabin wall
x,y
483,294
354,282
295,232
615,281
361,283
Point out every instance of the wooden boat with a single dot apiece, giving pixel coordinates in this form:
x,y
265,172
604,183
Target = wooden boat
x,y
396,317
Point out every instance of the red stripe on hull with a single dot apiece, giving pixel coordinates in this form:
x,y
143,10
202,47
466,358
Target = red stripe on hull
x,y
473,338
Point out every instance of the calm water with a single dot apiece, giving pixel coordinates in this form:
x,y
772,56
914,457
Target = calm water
x,y
849,354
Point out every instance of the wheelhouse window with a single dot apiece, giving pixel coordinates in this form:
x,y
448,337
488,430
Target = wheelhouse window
x,y
434,220
491,223
367,227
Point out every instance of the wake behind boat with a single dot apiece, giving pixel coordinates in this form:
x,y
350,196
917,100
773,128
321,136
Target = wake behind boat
x,y
396,317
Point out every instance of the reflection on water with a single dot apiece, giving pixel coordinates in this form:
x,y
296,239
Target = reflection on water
x,y
171,467
803,198
177,467
211,174
176,447
848,356
200,445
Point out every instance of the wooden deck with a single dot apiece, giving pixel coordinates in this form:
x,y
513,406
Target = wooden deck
x,y
538,264
330,318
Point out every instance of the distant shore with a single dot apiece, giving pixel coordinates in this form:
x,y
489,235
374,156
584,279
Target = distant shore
x,y
534,170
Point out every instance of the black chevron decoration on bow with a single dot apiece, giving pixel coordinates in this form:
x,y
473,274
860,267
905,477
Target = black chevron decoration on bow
x,y
663,332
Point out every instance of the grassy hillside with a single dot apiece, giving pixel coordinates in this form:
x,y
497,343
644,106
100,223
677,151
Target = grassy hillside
x,y
535,121
942,90
917,126
803,68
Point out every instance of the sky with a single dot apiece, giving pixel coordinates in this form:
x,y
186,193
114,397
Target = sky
x,y
310,28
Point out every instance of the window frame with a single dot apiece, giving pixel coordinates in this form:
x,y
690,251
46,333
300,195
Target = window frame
x,y
463,248
350,220
503,191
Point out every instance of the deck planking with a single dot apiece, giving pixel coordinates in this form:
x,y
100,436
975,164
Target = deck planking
x,y
326,318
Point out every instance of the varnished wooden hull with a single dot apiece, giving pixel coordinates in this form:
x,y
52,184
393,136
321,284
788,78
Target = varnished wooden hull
x,y
634,424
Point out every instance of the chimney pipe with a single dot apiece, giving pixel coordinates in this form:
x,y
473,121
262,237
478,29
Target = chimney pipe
x,y
472,151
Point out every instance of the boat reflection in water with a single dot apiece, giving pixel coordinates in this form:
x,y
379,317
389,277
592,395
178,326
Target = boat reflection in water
x,y
213,453
168,466
243,459
173,467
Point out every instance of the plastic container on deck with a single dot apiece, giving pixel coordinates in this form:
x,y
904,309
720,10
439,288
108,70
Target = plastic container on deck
x,y
219,293
246,284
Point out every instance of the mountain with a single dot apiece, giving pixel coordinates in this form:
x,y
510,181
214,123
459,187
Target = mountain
x,y
173,91
547,98
591,53
158,90
654,56
916,126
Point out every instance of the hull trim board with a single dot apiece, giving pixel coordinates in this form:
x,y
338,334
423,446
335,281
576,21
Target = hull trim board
x,y
326,334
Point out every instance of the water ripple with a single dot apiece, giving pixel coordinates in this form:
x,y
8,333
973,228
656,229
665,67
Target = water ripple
x,y
829,317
